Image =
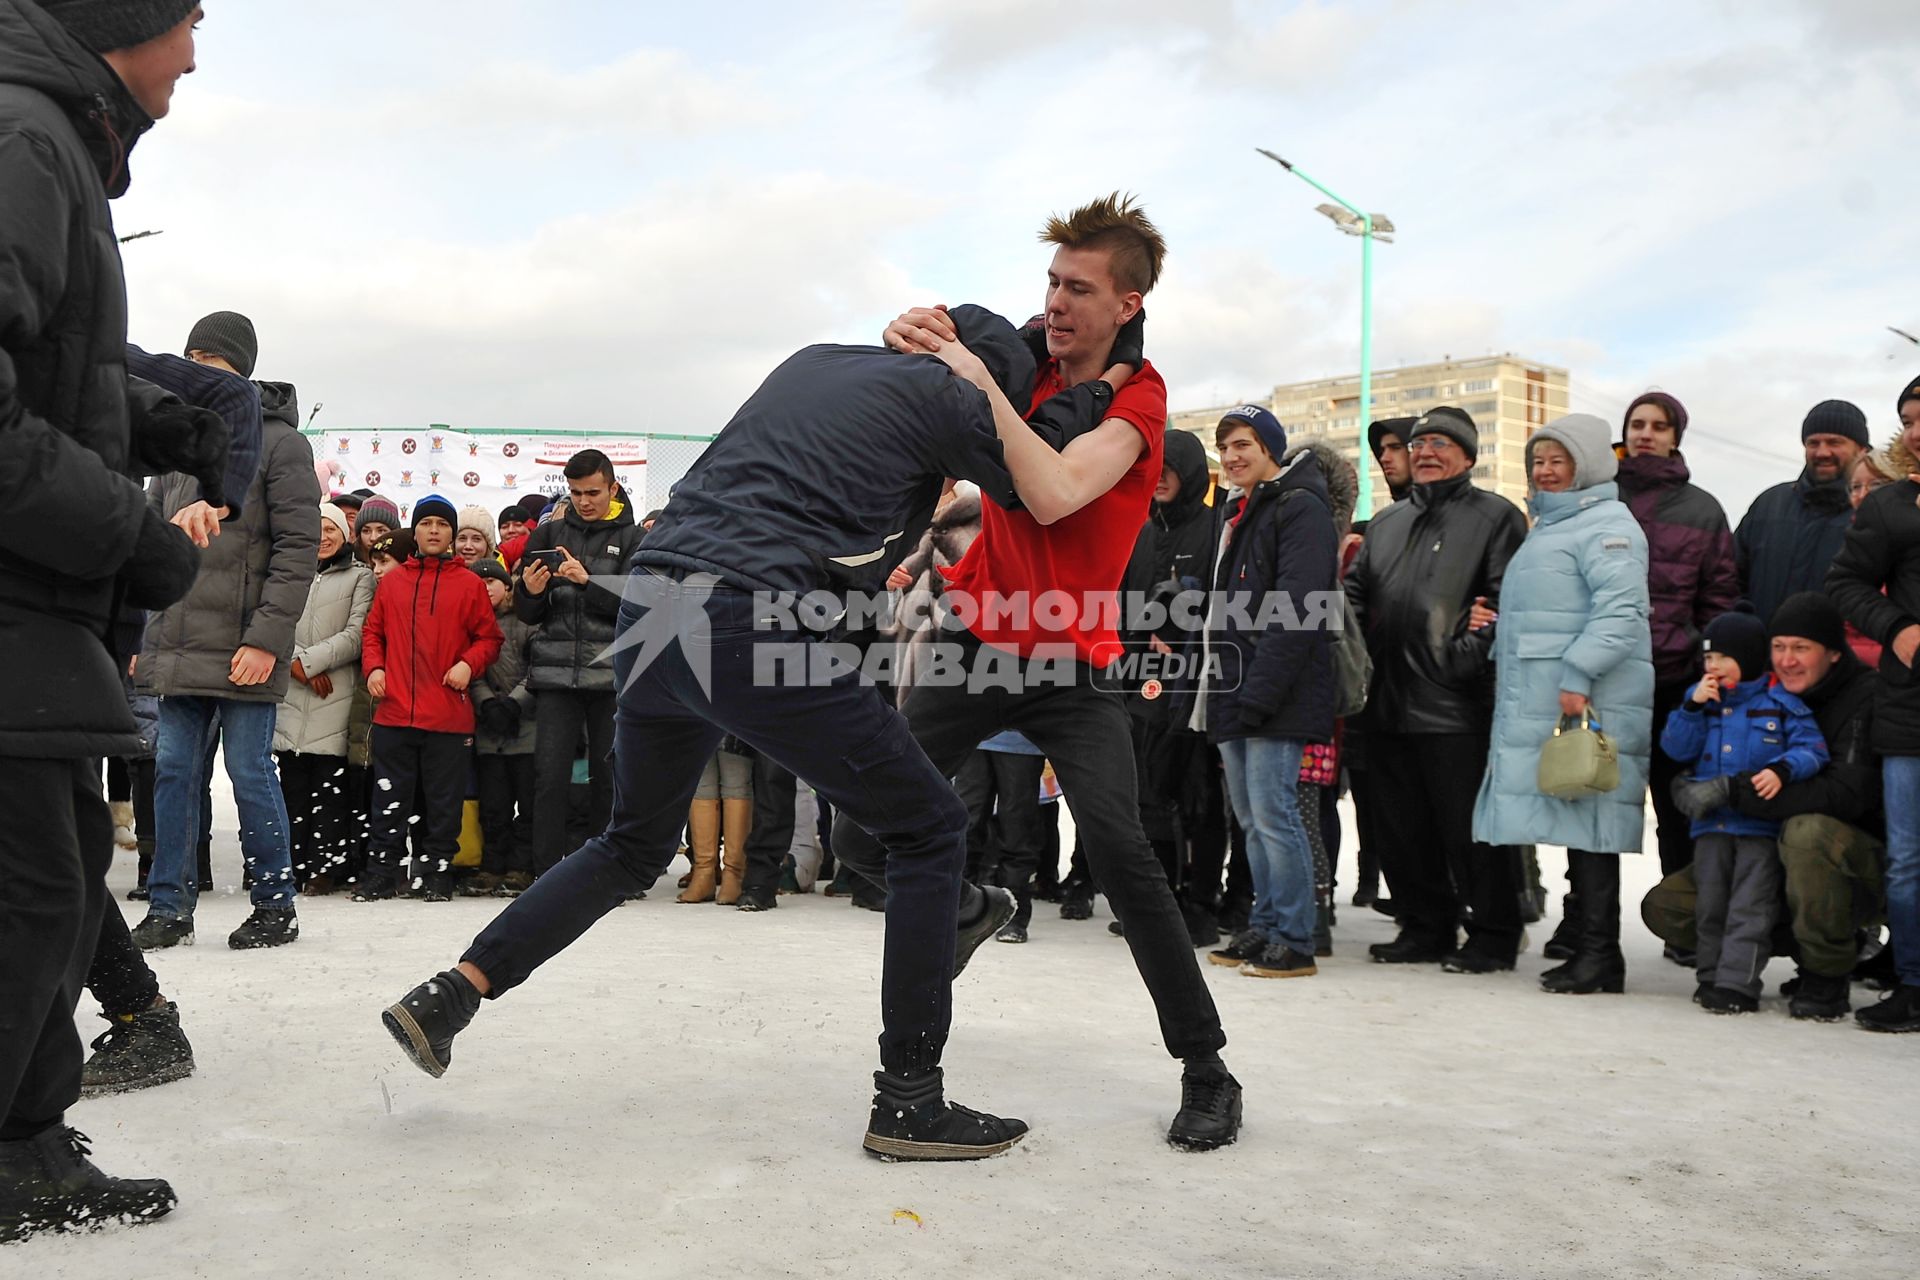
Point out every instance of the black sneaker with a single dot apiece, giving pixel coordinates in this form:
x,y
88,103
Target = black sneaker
x,y
1280,961
1700,990
996,910
1682,956
1818,998
760,897
1014,932
375,886
48,1184
139,893
867,897
1411,948
1245,945
1898,1010
1470,959
137,1051
1717,999
156,932
1077,904
266,927
428,1018
1209,1116
911,1120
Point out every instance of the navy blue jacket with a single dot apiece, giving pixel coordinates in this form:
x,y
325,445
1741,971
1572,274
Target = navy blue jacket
x,y
1787,540
231,396
1276,680
827,476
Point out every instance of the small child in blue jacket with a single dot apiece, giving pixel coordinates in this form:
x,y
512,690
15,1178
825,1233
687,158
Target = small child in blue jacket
x,y
1736,721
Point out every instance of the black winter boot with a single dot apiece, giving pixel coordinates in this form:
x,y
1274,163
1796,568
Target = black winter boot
x,y
48,1184
1209,1116
1898,1010
983,913
427,1018
137,1051
1820,998
266,927
1597,964
912,1120
1566,935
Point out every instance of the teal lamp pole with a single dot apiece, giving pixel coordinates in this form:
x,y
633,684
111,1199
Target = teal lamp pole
x,y
1369,227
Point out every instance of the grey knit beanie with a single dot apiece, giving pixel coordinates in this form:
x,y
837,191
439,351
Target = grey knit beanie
x,y
104,25
229,335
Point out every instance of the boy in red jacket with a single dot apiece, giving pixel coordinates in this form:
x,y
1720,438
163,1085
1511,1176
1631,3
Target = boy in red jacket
x,y
430,634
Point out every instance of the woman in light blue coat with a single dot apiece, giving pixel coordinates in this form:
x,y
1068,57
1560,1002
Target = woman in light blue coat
x,y
1574,636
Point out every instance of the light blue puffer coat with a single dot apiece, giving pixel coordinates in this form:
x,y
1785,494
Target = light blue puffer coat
x,y
1574,615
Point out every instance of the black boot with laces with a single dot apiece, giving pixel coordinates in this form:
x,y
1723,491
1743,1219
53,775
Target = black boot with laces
x,y
48,1184
1209,1115
137,1051
912,1120
427,1018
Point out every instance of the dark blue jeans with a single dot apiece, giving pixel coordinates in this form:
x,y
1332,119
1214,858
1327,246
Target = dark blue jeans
x,y
843,736
245,729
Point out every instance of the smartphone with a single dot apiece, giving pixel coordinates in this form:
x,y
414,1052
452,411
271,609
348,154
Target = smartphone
x,y
550,558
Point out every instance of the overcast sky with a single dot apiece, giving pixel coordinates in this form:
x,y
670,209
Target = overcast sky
x,y
574,214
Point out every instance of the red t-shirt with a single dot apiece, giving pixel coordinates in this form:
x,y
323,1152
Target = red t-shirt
x,y
1058,585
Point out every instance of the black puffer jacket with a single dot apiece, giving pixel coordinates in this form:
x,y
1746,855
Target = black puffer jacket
x,y
1787,540
73,510
575,623
1277,679
1423,562
1875,581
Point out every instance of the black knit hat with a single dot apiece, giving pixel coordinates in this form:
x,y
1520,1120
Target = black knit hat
x,y
1739,634
1453,423
1910,392
1810,615
229,335
1675,411
104,25
488,567
1837,418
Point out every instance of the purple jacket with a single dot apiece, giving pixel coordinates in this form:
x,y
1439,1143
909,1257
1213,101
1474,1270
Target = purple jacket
x,y
1691,577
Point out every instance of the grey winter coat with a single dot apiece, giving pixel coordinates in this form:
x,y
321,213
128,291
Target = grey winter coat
x,y
506,678
1574,615
326,641
254,577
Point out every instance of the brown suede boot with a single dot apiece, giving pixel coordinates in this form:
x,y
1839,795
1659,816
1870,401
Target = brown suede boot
x,y
733,865
703,822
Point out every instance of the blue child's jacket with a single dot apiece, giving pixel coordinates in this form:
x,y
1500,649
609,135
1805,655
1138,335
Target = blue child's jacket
x,y
1756,725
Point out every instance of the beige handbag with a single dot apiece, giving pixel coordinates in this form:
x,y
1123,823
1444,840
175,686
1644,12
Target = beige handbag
x,y
1578,760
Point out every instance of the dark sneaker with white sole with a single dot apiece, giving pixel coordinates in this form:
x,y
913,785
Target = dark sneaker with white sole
x,y
266,927
1209,1116
427,1018
912,1120
48,1184
156,932
995,913
137,1051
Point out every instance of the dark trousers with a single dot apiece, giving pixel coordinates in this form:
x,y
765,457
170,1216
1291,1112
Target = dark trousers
x,y
119,977
775,791
56,842
1366,831
436,765
562,715
1084,731
319,813
840,733
1423,787
1674,828
506,813
1001,790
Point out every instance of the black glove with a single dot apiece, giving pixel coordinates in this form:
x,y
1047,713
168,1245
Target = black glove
x,y
176,436
1130,344
1697,797
162,566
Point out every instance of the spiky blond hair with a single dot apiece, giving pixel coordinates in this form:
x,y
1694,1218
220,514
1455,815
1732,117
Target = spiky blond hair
x,y
1117,225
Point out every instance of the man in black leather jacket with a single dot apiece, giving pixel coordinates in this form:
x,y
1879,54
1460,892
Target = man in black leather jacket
x,y
1430,708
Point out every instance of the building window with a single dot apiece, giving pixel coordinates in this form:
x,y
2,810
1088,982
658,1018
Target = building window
x,y
1418,393
1476,386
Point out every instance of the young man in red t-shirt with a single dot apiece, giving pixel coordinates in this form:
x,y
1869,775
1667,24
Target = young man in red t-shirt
x,y
1082,511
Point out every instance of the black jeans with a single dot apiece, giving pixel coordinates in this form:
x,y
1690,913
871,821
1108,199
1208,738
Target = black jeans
x,y
319,813
506,813
119,977
433,766
1423,787
698,684
562,715
56,842
775,791
1084,731
1675,829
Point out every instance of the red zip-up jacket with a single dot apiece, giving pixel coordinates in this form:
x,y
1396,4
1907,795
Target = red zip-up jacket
x,y
427,615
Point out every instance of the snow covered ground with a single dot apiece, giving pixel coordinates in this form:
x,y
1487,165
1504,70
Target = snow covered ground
x,y
683,1094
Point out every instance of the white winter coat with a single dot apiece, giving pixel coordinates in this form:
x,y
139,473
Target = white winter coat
x,y
326,641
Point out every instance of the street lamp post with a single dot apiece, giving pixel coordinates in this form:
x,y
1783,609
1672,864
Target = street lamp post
x,y
1369,227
